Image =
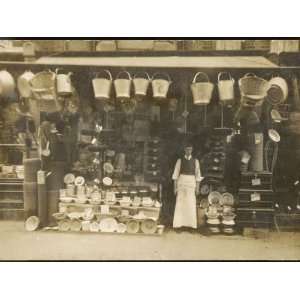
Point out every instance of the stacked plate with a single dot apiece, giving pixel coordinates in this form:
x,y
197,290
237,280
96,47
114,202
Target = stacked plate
x,y
108,225
147,202
32,223
125,201
95,197
133,226
149,226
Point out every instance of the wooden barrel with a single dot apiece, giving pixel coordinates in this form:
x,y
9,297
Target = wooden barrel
x,y
30,199
55,180
31,166
256,150
52,201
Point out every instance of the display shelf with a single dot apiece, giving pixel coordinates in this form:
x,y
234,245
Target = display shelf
x,y
87,205
19,191
104,233
11,183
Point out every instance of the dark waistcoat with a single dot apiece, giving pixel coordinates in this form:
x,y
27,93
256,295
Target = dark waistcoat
x,y
187,166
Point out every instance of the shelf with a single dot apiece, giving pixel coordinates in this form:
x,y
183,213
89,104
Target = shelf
x,y
105,233
110,205
11,183
11,191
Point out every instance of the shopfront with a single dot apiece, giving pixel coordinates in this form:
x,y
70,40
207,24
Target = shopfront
x,y
103,135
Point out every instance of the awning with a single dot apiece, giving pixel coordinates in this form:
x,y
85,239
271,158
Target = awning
x,y
218,62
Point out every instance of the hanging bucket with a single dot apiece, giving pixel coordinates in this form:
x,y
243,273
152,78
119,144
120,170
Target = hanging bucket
x,y
225,87
102,86
63,83
7,84
141,84
160,87
23,84
278,91
253,87
123,85
202,91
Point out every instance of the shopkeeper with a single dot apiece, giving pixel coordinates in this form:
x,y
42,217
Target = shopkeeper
x,y
187,178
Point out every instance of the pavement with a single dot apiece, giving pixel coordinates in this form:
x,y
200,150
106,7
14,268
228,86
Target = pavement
x,y
17,244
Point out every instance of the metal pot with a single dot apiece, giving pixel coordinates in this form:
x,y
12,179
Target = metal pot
x,y
63,83
7,83
23,84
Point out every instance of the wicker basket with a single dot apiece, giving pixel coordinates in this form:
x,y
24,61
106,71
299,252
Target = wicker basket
x,y
253,87
43,90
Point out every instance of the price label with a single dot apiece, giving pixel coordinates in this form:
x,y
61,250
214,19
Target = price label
x,y
41,177
257,139
228,139
255,197
256,181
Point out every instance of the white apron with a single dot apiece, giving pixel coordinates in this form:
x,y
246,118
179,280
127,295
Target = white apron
x,y
185,209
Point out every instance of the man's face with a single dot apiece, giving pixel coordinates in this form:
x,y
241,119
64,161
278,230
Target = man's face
x,y
188,151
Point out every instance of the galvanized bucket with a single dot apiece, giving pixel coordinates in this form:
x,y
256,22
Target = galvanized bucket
x,y
202,91
63,83
123,85
102,86
160,87
141,84
225,87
